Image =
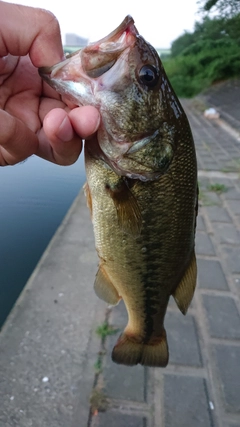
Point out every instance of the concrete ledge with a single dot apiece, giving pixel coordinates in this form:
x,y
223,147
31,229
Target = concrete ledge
x,y
45,345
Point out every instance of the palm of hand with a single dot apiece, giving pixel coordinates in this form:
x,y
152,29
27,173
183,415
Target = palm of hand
x,y
23,94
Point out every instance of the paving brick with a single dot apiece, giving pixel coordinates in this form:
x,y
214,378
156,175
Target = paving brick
x,y
223,317
119,316
217,213
116,419
211,165
227,358
234,206
123,382
186,402
237,282
232,256
204,244
226,233
200,223
210,275
183,342
232,194
203,183
212,199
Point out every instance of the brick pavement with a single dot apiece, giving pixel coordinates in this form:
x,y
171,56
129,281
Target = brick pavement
x,y
201,385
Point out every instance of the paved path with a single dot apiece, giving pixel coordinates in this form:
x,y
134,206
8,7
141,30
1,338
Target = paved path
x,y
56,371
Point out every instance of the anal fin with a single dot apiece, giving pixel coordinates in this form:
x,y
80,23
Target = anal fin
x,y
104,288
183,294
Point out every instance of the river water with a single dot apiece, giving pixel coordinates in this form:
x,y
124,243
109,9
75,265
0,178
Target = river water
x,y
35,196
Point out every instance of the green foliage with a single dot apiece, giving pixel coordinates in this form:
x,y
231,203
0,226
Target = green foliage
x,y
225,8
104,330
217,188
182,43
209,54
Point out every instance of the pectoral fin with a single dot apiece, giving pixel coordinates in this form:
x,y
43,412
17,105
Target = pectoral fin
x,y
88,196
128,211
104,288
184,292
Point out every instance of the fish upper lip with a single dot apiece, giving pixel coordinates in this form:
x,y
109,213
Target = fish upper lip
x,y
128,22
98,56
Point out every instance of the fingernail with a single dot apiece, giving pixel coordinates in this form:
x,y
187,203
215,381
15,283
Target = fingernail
x,y
65,131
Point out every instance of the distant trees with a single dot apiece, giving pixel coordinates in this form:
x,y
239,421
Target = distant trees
x,y
225,8
210,53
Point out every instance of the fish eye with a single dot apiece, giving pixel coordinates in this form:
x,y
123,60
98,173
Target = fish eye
x,y
149,75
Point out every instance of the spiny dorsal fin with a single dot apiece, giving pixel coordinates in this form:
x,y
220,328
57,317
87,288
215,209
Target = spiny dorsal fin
x,y
128,211
184,292
104,288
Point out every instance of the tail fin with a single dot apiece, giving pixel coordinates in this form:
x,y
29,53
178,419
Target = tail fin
x,y
129,352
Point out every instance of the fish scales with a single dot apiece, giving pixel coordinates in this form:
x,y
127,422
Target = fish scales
x,y
141,185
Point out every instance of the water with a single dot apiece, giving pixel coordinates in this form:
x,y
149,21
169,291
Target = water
x,y
35,196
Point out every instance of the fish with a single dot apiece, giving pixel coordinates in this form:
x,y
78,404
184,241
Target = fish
x,y
141,185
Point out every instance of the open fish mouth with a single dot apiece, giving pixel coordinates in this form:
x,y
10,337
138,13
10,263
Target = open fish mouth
x,y
72,77
121,75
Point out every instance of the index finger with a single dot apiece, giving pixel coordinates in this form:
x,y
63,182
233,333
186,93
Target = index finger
x,y
28,30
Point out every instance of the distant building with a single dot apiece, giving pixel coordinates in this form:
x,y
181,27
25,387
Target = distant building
x,y
75,40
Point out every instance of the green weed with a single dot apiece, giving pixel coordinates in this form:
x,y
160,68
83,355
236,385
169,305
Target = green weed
x,y
98,400
217,188
105,329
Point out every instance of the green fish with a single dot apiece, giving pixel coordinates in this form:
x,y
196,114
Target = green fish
x,y
141,185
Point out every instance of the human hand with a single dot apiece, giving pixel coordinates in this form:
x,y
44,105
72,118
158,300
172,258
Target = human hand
x,y
33,117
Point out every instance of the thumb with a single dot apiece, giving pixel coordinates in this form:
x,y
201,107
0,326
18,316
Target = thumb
x,y
17,141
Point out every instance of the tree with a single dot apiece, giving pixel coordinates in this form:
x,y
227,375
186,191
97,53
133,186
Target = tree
x,y
224,8
208,55
181,43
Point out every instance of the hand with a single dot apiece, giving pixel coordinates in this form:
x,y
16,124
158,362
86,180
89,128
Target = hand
x,y
33,117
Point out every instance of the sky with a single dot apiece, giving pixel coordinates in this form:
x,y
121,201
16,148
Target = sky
x,y
158,21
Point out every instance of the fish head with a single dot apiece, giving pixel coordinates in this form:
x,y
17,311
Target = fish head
x,y
123,77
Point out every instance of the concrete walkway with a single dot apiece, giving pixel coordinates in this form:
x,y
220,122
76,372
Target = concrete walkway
x,y
56,371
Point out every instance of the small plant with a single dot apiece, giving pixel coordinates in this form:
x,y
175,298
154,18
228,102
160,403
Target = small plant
x,y
98,366
98,400
105,329
217,188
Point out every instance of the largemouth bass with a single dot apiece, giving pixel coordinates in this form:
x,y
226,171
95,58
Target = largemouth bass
x,y
141,185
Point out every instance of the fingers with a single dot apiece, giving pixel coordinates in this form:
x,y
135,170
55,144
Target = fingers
x,y
17,141
57,141
85,120
30,30
60,141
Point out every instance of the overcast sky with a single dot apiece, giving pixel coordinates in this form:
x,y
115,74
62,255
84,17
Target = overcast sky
x,y
159,22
